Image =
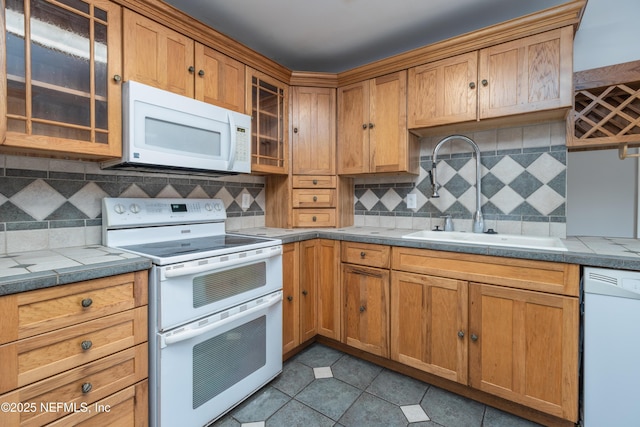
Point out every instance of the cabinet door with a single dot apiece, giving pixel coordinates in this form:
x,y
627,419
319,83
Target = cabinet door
x,y
524,348
219,80
329,296
290,306
314,131
366,307
429,324
388,136
530,74
353,128
443,92
60,77
268,102
308,289
156,55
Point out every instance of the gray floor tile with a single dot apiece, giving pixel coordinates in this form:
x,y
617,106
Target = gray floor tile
x,y
296,414
294,377
318,355
261,405
354,371
397,388
496,418
452,410
227,421
329,396
371,411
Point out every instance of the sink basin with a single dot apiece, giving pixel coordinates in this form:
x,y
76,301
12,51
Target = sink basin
x,y
508,240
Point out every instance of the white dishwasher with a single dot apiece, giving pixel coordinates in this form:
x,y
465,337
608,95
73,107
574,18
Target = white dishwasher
x,y
611,375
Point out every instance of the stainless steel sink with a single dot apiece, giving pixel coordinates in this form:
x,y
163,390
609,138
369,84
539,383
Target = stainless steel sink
x,y
508,240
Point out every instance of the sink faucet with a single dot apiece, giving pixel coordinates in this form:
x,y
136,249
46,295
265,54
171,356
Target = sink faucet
x,y
478,220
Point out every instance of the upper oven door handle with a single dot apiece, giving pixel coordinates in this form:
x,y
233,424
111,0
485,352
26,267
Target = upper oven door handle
x,y
201,268
189,333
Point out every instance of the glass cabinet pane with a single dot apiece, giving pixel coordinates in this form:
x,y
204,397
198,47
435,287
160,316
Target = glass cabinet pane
x,y
268,112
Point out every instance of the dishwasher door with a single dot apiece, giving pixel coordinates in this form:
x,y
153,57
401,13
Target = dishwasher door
x,y
611,376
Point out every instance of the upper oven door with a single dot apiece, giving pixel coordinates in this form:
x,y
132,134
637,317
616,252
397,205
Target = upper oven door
x,y
187,291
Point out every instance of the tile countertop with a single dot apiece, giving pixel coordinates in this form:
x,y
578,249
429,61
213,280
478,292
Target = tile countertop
x,y
40,269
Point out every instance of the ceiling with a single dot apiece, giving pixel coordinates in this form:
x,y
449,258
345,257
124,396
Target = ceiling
x,y
338,35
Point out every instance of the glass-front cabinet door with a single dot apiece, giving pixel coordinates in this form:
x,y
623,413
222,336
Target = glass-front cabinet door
x,y
269,100
63,92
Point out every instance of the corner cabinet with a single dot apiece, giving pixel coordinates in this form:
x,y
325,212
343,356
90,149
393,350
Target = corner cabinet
x,y
372,127
268,104
63,98
532,74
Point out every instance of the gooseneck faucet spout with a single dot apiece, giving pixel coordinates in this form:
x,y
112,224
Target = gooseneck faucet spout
x,y
478,219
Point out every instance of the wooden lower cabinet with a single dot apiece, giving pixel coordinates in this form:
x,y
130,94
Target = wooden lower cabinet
x,y
290,305
524,347
428,324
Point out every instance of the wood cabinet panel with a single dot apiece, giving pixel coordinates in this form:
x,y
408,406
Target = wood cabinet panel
x,y
314,181
308,294
353,129
329,305
428,324
219,79
314,218
524,348
290,290
312,198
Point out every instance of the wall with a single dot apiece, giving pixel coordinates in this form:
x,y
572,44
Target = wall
x,y
601,189
47,203
523,184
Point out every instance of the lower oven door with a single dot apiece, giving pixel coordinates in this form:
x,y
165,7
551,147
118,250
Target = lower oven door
x,y
201,370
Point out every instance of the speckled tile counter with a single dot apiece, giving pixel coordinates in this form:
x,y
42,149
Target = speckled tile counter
x,y
26,271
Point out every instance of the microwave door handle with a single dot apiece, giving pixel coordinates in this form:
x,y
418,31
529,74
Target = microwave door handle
x,y
232,148
186,271
192,333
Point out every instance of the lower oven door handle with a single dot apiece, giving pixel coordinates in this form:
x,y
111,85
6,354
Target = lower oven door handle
x,y
192,333
186,271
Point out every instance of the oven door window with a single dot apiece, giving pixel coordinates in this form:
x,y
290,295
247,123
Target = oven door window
x,y
217,286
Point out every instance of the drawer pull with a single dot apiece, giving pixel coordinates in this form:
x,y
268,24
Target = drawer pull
x,y
314,219
86,345
363,254
87,302
315,198
86,388
315,182
363,309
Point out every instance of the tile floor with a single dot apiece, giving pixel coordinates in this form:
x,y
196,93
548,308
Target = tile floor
x,y
322,386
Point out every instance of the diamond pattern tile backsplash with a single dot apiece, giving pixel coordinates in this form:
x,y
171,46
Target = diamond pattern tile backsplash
x,y
48,203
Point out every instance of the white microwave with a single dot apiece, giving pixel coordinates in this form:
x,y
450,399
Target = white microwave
x,y
166,132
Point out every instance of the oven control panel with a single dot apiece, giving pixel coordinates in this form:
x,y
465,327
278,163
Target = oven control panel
x,y
122,212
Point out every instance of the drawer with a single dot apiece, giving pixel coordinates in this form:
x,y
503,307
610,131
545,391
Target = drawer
x,y
366,254
314,217
314,181
126,408
33,359
312,198
31,313
99,379
543,276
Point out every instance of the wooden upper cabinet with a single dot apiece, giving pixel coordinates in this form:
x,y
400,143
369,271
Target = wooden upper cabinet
x,y
530,74
156,55
160,57
443,91
219,80
58,99
313,122
372,127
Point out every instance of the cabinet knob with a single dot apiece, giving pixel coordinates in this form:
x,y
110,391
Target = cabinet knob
x,y
363,309
363,254
192,69
86,345
86,387
201,73
289,298
295,130
474,337
472,85
117,78
87,302
315,182
364,126
484,82
460,334
305,293
315,198
314,219
371,125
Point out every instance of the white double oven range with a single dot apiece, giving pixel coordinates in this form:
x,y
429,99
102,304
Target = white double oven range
x,y
215,305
